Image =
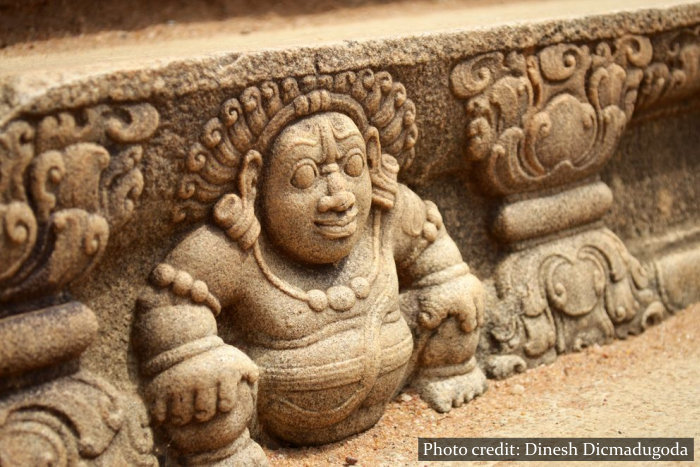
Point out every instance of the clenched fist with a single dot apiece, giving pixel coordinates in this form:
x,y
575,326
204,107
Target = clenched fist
x,y
196,389
462,297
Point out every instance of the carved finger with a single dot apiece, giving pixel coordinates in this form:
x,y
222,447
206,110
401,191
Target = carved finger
x,y
205,403
159,408
244,366
433,308
181,407
227,394
479,302
249,372
468,316
429,317
479,305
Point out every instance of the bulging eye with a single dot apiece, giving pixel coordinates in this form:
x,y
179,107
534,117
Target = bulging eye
x,y
304,176
355,165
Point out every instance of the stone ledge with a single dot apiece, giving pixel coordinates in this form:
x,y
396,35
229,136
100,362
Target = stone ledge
x,y
36,82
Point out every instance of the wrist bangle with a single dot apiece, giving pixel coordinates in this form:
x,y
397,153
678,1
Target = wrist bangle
x,y
442,276
172,357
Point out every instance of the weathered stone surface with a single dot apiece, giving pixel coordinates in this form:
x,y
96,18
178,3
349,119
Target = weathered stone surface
x,y
233,212
312,238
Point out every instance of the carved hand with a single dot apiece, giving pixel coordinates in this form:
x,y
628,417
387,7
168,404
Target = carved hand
x,y
200,387
462,297
449,376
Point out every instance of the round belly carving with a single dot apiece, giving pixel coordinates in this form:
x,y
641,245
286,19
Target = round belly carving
x,y
296,401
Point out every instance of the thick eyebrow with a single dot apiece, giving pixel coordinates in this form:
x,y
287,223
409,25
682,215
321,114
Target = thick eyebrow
x,y
282,150
340,136
304,142
298,141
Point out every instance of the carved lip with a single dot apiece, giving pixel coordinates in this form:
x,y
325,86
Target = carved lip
x,y
337,226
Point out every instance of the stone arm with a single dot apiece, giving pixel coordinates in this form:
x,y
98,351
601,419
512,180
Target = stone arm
x,y
201,390
442,302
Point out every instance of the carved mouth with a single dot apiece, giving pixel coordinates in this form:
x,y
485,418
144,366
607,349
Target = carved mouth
x,y
337,226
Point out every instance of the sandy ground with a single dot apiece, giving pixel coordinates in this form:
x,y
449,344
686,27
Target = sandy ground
x,y
646,386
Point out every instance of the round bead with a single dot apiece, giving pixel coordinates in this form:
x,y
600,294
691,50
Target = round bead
x,y
430,231
182,283
341,298
317,300
360,286
199,292
163,275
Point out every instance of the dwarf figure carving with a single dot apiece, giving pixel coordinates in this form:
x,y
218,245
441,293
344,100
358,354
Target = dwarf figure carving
x,y
334,285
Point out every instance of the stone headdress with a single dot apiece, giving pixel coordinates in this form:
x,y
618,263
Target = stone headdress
x,y
249,124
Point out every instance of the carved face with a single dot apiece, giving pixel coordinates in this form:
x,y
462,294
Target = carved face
x,y
316,189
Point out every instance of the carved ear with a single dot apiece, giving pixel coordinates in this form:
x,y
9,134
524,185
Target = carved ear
x,y
383,170
374,148
250,171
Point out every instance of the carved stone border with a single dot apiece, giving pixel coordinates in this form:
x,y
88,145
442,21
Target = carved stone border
x,y
61,192
70,178
541,124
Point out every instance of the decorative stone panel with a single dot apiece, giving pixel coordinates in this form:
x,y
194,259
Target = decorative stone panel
x,y
541,126
62,192
157,299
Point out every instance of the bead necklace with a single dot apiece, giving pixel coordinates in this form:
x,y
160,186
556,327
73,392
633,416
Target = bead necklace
x,y
338,297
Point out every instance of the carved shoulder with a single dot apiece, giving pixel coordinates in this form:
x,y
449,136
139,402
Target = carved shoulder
x,y
206,255
422,246
413,221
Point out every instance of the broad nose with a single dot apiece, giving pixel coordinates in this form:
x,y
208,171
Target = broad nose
x,y
338,199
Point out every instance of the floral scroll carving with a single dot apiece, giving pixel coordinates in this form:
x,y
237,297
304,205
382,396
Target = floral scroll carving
x,y
541,125
545,119
61,190
568,294
65,180
72,420
675,70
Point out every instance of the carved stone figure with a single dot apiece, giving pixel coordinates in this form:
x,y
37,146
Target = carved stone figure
x,y
333,283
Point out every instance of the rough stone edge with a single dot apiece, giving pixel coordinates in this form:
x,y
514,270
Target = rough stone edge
x,y
239,70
